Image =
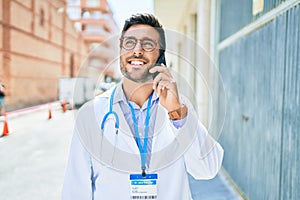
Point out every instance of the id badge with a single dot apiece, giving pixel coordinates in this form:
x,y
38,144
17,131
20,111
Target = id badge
x,y
143,187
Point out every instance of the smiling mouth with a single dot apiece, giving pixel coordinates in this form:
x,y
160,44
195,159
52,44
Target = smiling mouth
x,y
136,62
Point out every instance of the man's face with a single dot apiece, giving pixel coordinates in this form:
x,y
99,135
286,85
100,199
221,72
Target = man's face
x,y
138,56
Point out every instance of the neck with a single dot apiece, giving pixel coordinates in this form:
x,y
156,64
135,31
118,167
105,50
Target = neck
x,y
137,92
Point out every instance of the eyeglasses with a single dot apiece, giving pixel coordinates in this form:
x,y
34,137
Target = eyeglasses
x,y
129,43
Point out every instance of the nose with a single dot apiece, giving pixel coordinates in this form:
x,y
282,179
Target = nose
x,y
138,50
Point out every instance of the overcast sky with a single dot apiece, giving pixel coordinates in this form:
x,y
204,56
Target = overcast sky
x,y
123,9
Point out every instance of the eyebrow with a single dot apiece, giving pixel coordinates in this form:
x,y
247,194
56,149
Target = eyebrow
x,y
144,38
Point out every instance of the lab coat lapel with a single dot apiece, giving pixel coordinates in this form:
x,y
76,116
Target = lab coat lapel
x,y
163,137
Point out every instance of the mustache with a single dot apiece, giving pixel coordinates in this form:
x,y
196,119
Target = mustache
x,y
139,57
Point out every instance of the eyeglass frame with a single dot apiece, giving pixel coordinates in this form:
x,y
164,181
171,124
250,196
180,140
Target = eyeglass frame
x,y
138,40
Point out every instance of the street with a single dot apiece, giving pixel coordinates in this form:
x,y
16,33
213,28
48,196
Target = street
x,y
34,155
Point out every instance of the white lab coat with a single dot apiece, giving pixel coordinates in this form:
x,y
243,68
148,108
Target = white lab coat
x,y
99,167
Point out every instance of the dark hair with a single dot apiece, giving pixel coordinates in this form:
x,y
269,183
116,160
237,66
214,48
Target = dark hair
x,y
147,19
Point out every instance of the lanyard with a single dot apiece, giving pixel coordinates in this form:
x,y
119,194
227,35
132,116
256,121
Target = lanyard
x,y
143,150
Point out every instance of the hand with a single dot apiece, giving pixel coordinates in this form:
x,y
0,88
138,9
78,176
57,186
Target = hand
x,y
165,86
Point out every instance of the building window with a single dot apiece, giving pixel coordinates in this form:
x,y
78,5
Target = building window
x,y
42,17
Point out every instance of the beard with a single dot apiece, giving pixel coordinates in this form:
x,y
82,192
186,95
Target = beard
x,y
138,76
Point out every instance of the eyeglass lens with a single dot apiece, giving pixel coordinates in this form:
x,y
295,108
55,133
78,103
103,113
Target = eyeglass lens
x,y
146,44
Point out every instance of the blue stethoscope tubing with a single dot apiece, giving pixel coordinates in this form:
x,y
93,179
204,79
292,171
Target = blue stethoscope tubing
x,y
111,112
143,150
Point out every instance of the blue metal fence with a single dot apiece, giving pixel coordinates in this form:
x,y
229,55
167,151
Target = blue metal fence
x,y
237,14
261,135
290,153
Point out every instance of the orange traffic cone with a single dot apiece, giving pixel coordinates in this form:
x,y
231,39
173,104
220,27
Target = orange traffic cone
x,y
5,127
49,112
64,106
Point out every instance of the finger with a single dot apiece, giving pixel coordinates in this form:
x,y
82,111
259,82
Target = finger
x,y
161,77
160,87
163,86
160,69
169,87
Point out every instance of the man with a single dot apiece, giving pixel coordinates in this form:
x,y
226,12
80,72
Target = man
x,y
140,139
2,95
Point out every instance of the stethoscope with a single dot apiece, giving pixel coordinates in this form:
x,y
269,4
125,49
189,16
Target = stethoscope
x,y
111,112
142,149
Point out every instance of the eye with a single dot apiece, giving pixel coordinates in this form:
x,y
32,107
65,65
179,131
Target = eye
x,y
148,45
129,43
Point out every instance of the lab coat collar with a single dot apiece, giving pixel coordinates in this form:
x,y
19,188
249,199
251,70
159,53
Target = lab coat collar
x,y
120,96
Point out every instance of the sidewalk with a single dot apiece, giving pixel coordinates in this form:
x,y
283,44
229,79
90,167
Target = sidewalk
x,y
33,156
218,188
51,105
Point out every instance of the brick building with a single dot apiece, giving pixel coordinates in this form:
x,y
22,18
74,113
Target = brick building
x,y
40,44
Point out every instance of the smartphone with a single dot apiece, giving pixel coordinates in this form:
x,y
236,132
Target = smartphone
x,y
160,60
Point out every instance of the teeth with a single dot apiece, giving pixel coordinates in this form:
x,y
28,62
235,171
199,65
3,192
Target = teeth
x,y
135,62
